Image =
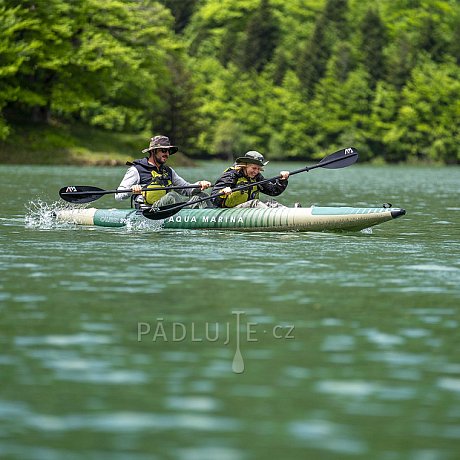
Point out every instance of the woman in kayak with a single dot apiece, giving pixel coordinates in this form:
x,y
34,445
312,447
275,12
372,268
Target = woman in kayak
x,y
247,169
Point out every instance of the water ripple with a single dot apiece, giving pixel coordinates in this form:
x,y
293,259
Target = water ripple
x,y
63,340
448,383
122,422
326,435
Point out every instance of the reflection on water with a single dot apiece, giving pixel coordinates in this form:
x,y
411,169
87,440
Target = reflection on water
x,y
349,341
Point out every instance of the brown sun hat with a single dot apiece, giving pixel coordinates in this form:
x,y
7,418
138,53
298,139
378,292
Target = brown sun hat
x,y
160,142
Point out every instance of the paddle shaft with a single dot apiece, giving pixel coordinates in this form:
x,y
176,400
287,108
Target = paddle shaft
x,y
107,192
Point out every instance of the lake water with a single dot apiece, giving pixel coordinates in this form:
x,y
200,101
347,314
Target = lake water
x,y
120,343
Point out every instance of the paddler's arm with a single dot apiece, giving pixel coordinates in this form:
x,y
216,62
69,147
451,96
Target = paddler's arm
x,y
223,186
226,191
219,201
276,187
130,181
178,181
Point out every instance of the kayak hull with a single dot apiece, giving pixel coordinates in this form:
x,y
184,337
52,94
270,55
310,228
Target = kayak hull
x,y
315,218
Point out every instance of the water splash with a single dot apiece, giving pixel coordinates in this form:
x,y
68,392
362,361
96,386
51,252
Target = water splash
x,y
137,224
42,215
367,231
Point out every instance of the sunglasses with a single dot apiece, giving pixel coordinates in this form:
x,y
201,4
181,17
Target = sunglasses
x,y
163,150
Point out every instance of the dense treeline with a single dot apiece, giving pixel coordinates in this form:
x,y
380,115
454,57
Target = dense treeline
x,y
291,79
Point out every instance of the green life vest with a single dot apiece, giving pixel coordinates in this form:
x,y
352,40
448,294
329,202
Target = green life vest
x,y
241,196
162,179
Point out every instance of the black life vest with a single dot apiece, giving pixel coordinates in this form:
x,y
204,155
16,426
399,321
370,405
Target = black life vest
x,y
151,177
241,196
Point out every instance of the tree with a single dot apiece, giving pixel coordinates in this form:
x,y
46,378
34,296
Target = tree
x,y
178,114
374,40
401,58
424,128
330,27
340,111
260,39
49,38
14,52
227,140
103,63
182,11
313,59
454,47
381,121
292,133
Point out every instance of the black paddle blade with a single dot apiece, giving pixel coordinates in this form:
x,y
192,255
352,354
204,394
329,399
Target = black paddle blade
x,y
163,212
340,159
80,193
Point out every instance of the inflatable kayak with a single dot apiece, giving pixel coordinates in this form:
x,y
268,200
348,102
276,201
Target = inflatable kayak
x,y
315,218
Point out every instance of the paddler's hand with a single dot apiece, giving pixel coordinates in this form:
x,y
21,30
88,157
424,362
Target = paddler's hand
x,y
136,189
225,191
204,184
284,175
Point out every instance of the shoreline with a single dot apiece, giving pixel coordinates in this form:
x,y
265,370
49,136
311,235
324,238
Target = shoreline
x,y
77,145
80,145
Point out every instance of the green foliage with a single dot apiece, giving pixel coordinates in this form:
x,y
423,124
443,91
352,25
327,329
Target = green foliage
x,y
313,59
14,53
330,30
228,138
374,40
106,63
427,124
182,11
292,79
260,39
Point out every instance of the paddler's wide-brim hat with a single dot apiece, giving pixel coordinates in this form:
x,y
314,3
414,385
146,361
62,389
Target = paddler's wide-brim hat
x,y
161,142
252,157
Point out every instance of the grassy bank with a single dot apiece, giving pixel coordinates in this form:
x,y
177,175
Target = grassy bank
x,y
74,145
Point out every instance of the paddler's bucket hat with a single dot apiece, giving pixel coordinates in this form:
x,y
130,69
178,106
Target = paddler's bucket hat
x,y
252,157
160,142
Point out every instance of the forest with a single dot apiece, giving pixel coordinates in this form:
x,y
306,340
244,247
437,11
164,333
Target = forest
x,y
292,79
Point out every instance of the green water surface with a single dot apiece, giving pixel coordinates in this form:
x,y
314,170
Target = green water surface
x,y
121,343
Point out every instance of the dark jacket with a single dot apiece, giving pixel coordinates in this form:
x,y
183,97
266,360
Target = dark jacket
x,y
233,178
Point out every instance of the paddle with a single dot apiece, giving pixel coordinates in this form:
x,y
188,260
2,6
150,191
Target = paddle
x,y
340,159
87,193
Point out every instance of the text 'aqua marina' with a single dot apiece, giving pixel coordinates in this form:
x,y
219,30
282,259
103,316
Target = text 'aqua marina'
x,y
206,219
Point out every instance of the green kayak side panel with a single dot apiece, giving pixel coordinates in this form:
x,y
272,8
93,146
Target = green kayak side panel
x,y
280,219
333,211
113,217
229,218
255,219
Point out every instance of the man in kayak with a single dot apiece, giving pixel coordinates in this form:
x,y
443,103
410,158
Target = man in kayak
x,y
152,172
247,169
